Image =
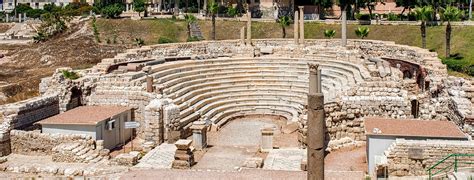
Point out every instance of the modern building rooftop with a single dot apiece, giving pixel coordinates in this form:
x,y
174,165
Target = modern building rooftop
x,y
412,128
85,115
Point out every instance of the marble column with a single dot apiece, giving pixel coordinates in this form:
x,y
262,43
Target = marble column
x,y
267,138
344,28
249,28
176,8
316,125
295,27
7,18
199,129
301,24
242,35
19,18
160,3
24,16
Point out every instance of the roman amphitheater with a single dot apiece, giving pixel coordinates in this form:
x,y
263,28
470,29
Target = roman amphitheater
x,y
172,88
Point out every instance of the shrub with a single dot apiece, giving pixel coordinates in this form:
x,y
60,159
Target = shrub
x,y
95,29
360,16
362,31
193,38
164,40
329,33
231,11
70,75
392,17
35,13
139,41
112,11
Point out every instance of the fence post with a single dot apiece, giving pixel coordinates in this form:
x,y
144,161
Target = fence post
x,y
455,163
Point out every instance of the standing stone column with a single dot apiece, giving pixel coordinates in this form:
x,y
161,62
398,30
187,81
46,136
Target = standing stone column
x,y
249,28
267,138
7,18
242,35
24,16
19,18
344,28
204,7
176,8
160,3
295,27
149,84
316,125
184,157
199,129
126,8
301,24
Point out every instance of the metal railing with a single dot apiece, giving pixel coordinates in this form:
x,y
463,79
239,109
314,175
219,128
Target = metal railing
x,y
453,165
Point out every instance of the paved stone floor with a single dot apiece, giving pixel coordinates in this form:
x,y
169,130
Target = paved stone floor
x,y
285,159
160,157
233,144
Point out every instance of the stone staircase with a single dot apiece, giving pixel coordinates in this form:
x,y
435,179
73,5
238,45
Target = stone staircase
x,y
79,153
196,31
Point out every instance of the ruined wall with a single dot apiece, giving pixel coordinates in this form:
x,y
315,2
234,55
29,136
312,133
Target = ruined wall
x,y
29,111
36,143
401,161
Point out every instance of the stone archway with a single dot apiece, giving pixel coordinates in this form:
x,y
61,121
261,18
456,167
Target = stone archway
x,y
75,100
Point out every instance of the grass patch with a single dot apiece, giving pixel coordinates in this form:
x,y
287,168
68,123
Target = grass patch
x,y
462,41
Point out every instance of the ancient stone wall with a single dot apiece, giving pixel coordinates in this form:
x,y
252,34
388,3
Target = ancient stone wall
x,y
403,161
29,111
37,143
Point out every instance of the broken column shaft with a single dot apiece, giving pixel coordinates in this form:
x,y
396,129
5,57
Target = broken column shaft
x,y
316,125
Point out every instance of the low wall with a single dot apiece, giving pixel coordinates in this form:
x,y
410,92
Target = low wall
x,y
401,161
27,112
36,143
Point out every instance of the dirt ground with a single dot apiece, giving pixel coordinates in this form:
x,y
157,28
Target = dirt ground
x,y
24,65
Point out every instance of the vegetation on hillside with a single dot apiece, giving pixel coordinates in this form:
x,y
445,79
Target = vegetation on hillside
x,y
462,39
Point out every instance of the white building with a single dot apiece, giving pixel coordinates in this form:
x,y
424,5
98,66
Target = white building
x,y
101,122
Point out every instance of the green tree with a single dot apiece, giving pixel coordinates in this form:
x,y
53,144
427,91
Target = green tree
x,y
449,14
284,22
362,31
329,33
22,8
213,9
112,11
423,14
322,5
139,6
190,19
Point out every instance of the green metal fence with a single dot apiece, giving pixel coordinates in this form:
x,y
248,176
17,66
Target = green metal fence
x,y
454,165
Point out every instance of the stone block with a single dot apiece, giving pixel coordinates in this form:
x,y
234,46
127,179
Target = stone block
x,y
290,128
183,144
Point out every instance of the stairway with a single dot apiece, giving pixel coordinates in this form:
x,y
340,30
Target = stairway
x,y
79,153
196,31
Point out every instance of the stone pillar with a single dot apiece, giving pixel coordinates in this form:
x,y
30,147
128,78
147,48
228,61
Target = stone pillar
x,y
176,7
249,28
5,145
204,7
301,24
19,18
242,35
267,138
199,129
184,157
149,84
7,18
24,16
316,125
344,28
160,3
295,27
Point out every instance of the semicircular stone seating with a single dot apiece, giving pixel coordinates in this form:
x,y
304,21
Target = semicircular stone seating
x,y
217,90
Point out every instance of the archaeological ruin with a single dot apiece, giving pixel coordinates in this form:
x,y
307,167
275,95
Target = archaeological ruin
x,y
185,90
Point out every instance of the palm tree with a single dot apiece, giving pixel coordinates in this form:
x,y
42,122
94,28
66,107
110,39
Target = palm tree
x,y
423,14
213,9
284,22
450,14
362,31
329,33
190,19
